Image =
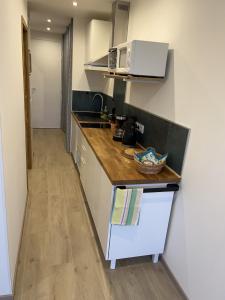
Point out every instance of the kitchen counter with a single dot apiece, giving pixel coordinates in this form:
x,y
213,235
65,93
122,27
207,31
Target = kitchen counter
x,y
119,169
103,169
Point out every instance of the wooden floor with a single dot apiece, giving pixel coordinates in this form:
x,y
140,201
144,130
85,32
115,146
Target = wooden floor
x,y
59,257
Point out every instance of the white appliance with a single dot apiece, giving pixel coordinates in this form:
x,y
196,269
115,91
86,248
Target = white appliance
x,y
140,58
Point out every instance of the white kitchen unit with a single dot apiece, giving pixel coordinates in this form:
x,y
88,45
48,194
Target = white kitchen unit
x,y
98,191
99,34
149,236
75,136
117,242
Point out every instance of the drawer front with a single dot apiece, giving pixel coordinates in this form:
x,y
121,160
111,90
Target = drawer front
x,y
149,236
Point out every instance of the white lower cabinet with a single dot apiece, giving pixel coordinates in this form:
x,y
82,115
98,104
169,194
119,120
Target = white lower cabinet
x,y
98,190
73,137
148,237
75,133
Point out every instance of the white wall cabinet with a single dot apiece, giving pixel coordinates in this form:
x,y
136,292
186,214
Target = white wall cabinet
x,y
148,237
99,34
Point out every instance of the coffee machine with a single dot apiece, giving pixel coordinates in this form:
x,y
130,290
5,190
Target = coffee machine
x,y
119,131
129,135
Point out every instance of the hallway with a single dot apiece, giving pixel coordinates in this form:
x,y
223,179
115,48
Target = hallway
x,y
59,257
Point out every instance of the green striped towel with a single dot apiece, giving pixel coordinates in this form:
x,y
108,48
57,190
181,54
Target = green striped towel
x,y
127,205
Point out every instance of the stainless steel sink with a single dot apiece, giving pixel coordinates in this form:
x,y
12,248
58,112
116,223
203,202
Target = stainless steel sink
x,y
91,120
95,125
89,117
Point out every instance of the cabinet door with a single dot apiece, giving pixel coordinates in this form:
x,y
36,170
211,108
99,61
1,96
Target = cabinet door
x,y
78,147
99,196
92,177
149,236
98,190
84,160
75,133
102,209
73,137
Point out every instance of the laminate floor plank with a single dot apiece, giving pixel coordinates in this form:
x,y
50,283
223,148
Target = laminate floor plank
x,y
60,258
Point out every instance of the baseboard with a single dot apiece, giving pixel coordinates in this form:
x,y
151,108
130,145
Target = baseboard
x,y
20,243
173,278
8,297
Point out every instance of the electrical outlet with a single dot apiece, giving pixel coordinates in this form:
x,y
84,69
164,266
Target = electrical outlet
x,y
140,127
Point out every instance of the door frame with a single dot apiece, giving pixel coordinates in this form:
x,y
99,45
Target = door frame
x,y
26,84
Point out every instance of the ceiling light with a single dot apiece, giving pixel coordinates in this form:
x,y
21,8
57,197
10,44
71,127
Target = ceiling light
x,y
74,3
48,28
49,20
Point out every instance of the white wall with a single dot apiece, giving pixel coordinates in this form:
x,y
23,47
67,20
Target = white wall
x,y
193,95
85,80
46,85
12,122
5,280
98,39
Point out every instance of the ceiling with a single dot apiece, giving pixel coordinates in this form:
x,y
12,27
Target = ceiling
x,y
61,11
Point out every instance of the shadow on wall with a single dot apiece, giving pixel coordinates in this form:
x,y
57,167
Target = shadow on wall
x,y
157,98
96,81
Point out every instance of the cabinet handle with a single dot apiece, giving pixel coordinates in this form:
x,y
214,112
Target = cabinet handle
x,y
168,188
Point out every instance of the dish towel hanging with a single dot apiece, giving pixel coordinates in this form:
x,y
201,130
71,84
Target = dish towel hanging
x,y
127,205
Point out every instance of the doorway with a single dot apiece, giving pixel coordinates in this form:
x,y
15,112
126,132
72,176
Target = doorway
x,y
26,80
46,85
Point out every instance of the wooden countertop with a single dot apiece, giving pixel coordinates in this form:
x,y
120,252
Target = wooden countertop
x,y
121,170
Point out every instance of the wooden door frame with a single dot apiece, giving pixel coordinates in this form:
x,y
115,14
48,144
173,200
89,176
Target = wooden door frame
x,y
26,81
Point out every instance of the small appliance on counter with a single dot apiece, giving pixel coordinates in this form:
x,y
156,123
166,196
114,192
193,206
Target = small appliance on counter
x,y
129,136
112,120
119,131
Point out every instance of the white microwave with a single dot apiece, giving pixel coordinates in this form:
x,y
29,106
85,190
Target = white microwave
x,y
140,58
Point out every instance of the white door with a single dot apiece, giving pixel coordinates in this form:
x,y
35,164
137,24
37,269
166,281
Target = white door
x,y
46,95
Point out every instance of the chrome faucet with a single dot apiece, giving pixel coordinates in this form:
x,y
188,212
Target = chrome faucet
x,y
102,100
